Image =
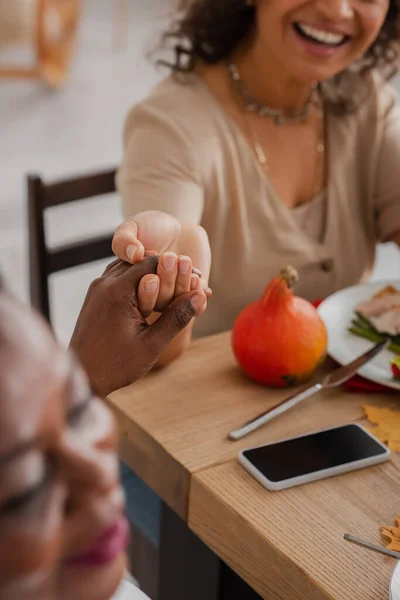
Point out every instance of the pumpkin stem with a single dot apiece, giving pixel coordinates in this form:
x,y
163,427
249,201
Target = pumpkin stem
x,y
290,276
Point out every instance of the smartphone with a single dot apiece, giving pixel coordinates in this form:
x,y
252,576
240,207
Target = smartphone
x,y
313,456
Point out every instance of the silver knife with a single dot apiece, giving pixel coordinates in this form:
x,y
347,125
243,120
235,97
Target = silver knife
x,y
334,378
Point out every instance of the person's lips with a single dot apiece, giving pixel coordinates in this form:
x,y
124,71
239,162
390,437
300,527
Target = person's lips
x,y
320,41
105,548
321,34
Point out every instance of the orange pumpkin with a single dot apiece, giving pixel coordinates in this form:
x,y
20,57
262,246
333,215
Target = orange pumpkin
x,y
280,339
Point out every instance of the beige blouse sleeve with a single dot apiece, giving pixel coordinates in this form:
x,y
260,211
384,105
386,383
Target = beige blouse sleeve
x,y
158,170
387,189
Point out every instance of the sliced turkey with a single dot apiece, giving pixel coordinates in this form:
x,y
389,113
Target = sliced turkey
x,y
383,312
389,322
377,306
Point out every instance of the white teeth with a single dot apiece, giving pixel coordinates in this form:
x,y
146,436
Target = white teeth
x,y
324,37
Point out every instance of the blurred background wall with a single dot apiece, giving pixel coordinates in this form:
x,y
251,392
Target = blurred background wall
x,y
75,130
16,21
71,131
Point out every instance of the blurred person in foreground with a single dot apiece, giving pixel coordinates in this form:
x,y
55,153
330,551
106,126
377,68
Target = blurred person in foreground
x,y
62,527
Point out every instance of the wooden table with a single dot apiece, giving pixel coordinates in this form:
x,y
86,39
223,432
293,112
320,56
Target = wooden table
x,y
288,544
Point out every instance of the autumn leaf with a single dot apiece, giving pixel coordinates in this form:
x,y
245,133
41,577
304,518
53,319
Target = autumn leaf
x,y
392,535
387,425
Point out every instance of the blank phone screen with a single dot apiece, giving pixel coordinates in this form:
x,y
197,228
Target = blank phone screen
x,y
314,452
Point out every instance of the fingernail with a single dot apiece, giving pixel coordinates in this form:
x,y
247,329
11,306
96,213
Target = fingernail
x,y
151,253
169,261
151,286
197,301
184,264
194,282
130,252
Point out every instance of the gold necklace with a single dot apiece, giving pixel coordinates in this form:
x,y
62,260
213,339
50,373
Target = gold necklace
x,y
319,162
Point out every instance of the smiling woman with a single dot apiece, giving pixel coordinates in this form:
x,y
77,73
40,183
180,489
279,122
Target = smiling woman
x,y
56,451
279,135
63,531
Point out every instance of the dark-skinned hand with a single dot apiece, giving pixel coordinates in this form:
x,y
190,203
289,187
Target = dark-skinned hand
x,y
112,339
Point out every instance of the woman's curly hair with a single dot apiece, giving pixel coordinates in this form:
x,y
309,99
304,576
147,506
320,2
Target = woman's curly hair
x,y
209,31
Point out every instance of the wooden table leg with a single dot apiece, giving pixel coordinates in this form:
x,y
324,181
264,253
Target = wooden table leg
x,y
234,588
189,569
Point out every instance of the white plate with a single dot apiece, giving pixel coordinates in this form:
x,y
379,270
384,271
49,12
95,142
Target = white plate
x,y
337,312
395,584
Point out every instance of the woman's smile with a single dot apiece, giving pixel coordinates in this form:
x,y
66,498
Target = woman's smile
x,y
315,40
318,41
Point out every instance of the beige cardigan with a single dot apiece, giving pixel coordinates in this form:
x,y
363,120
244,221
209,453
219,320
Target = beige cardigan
x,y
184,155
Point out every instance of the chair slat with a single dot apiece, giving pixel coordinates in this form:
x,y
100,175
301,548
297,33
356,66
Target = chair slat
x,y
79,188
79,253
44,260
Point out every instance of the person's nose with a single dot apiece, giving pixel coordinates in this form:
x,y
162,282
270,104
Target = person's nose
x,y
336,10
88,454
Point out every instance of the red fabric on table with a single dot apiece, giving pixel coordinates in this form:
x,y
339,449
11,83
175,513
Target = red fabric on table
x,y
359,384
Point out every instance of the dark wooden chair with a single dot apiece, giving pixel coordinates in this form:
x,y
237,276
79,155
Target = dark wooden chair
x,y
43,261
